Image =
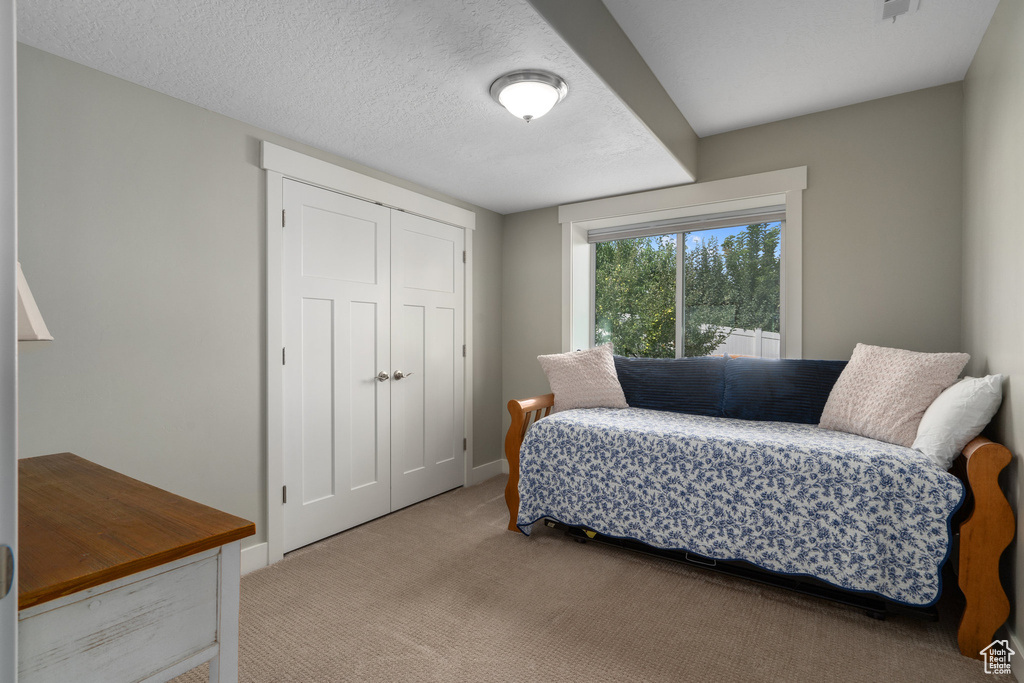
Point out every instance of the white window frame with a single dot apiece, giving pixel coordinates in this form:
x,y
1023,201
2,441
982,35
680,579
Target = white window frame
x,y
719,196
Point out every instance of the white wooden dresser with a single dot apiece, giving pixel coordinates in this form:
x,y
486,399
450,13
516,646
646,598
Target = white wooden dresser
x,y
120,581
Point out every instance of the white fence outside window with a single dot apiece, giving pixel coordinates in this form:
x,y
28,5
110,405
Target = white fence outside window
x,y
750,343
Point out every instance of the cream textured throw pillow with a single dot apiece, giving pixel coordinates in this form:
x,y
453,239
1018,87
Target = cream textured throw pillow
x,y
584,379
883,393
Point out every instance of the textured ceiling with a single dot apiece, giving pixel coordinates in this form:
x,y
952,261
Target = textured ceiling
x,y
398,85
731,64
401,85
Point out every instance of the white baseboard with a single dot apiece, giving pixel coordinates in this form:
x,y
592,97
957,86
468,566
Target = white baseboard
x,y
504,466
485,472
254,557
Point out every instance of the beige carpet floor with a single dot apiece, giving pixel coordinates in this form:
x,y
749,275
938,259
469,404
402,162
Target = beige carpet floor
x,y
441,591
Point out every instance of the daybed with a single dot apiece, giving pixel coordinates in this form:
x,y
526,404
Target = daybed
x,y
721,462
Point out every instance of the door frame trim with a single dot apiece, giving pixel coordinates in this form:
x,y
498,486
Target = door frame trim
x,y
8,333
281,163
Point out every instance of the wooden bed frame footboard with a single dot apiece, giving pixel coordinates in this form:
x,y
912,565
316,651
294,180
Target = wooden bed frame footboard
x,y
984,534
524,413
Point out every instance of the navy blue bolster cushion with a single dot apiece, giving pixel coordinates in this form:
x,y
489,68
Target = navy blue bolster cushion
x,y
786,390
682,385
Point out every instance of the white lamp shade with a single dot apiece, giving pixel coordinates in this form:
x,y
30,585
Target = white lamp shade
x,y
30,321
528,99
529,94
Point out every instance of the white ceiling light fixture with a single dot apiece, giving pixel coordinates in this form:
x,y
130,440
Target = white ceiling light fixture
x,y
529,94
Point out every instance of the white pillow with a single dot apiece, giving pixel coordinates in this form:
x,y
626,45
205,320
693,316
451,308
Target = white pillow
x,y
957,416
584,379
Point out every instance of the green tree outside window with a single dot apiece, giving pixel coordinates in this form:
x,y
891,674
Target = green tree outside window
x,y
732,284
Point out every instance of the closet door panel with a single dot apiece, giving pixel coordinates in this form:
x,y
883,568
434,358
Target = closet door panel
x,y
443,443
432,261
337,320
428,423
316,446
361,358
408,452
339,246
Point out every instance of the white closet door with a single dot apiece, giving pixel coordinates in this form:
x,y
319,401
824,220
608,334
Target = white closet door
x,y
427,336
337,284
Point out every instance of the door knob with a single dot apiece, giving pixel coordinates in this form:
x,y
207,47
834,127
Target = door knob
x,y
6,570
399,374
383,376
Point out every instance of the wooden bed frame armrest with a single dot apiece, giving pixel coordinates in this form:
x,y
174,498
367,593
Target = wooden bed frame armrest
x,y
521,412
983,538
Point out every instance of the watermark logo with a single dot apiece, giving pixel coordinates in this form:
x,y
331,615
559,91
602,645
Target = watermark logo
x,y
997,657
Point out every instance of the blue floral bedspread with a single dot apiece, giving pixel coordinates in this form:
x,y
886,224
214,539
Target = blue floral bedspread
x,y
790,498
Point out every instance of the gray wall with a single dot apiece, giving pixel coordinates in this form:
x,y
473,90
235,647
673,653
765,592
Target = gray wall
x,y
993,246
142,222
882,216
531,300
881,231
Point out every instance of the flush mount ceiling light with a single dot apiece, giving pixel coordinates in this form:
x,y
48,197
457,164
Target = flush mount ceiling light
x,y
529,94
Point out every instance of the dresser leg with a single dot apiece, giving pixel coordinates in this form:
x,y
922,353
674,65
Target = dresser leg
x,y
224,667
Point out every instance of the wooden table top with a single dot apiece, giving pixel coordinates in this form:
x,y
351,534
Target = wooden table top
x,y
82,525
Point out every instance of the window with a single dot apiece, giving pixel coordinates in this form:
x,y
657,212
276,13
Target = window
x,y
704,291
676,225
